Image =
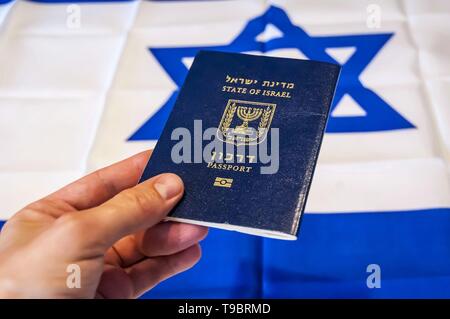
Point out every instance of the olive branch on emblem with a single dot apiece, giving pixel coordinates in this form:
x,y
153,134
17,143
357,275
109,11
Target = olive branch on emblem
x,y
264,121
229,117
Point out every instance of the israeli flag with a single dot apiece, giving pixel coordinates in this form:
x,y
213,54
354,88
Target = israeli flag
x,y
86,83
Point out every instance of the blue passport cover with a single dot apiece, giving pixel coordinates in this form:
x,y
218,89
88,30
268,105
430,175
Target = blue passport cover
x,y
249,103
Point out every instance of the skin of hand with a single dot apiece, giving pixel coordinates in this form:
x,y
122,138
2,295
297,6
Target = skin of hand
x,y
107,226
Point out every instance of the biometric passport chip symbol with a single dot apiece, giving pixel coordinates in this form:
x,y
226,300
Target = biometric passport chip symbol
x,y
245,122
223,182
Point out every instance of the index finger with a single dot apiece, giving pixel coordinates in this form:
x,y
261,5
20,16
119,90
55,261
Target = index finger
x,y
101,185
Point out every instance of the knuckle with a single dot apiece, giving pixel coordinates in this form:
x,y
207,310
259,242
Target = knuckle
x,y
30,212
73,224
74,233
50,206
109,188
42,203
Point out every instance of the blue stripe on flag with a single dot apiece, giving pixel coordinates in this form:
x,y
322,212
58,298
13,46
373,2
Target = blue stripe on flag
x,y
79,1
230,268
333,251
329,260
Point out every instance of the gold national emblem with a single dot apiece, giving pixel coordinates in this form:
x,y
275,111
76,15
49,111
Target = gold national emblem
x,y
245,122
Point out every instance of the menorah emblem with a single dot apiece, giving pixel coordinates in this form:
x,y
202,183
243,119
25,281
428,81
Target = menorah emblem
x,y
247,114
251,124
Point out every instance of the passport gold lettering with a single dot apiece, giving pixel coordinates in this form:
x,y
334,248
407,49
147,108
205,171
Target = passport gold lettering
x,y
232,89
229,167
234,80
230,157
276,93
276,88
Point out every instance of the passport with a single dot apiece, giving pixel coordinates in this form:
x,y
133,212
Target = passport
x,y
244,135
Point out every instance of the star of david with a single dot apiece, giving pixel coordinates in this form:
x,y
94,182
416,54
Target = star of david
x,y
378,115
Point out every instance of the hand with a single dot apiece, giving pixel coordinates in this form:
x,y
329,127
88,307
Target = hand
x,y
107,227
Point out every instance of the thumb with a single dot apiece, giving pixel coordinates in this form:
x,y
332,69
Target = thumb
x,y
136,208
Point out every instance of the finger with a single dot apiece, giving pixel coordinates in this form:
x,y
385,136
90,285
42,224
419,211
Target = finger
x,y
165,238
99,186
133,209
114,284
124,253
169,238
149,272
